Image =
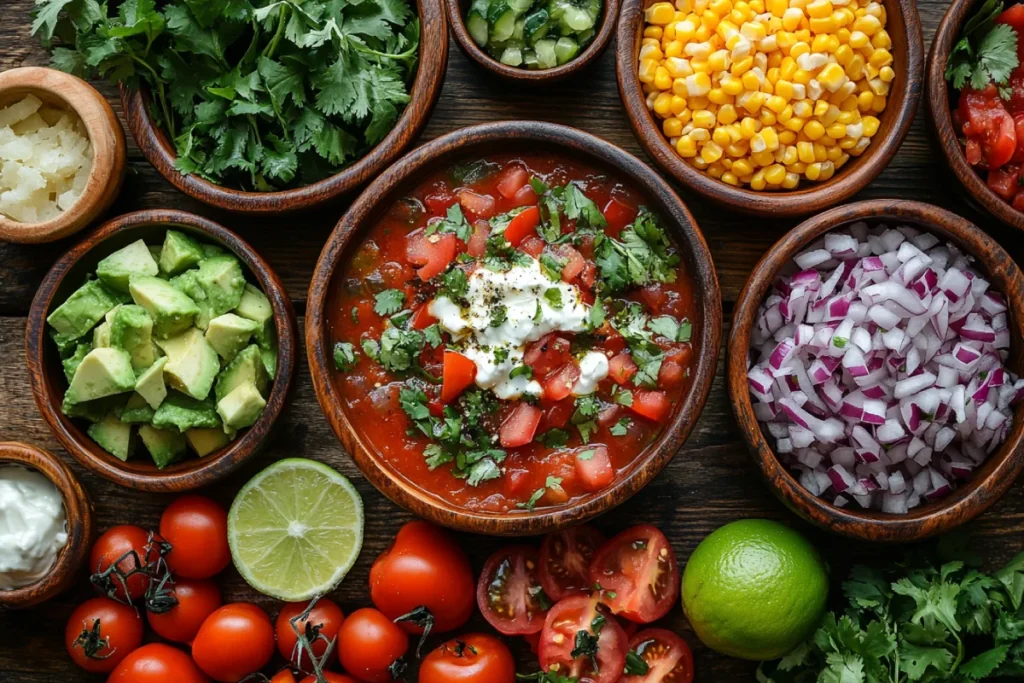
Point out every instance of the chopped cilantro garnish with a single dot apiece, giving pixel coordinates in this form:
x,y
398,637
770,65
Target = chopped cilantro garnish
x,y
643,255
597,315
621,427
521,371
587,408
344,356
549,483
552,266
388,302
500,354
586,455
622,396
499,316
455,222
538,315
582,209
454,284
986,52
554,297
554,438
371,348
432,335
355,315
399,349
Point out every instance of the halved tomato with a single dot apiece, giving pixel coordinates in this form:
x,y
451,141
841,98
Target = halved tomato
x,y
459,373
476,205
547,354
520,426
512,179
654,405
621,368
559,384
582,642
667,656
439,251
638,574
509,594
523,225
565,557
594,467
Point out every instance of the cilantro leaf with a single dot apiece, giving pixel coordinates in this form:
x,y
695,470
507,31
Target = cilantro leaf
x,y
621,428
344,356
554,438
388,302
455,222
432,335
582,209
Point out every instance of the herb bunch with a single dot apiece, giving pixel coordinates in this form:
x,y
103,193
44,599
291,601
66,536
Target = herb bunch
x,y
259,94
986,52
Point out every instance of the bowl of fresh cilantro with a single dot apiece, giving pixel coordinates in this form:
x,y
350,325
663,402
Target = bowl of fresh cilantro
x,y
260,106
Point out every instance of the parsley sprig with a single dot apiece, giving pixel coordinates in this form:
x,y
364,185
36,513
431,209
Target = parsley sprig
x,y
986,52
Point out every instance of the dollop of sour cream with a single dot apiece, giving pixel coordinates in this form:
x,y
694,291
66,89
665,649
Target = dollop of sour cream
x,y
33,526
530,313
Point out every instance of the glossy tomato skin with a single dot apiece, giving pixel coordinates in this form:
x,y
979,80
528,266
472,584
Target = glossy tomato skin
x,y
627,566
233,642
157,663
120,633
330,677
424,567
283,676
369,644
117,543
197,599
473,658
325,616
558,641
508,592
668,657
565,556
197,529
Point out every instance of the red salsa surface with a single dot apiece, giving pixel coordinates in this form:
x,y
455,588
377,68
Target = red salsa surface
x,y
417,403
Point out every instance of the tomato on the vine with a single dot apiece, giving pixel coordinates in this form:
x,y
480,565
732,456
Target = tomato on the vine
x,y
157,663
424,567
132,549
370,644
320,627
100,633
509,594
580,641
637,574
473,658
283,676
565,557
192,601
197,529
330,677
235,641
667,657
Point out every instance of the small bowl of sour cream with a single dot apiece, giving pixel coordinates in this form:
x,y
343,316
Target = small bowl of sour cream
x,y
45,525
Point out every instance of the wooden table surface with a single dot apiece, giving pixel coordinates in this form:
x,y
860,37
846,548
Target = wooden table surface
x,y
711,482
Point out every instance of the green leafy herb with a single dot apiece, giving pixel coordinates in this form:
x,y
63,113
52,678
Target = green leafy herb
x,y
554,297
521,371
400,349
344,356
552,266
546,677
597,315
500,256
621,428
622,396
455,222
499,316
432,335
582,209
549,483
587,408
986,52
642,255
355,315
586,455
371,348
632,323
454,284
389,301
554,438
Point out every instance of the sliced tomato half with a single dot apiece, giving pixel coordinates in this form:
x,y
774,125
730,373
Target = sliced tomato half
x,y
579,619
637,574
509,594
565,557
667,656
459,372
523,225
439,252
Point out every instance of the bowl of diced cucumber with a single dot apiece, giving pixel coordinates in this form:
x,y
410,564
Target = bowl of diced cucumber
x,y
161,350
533,41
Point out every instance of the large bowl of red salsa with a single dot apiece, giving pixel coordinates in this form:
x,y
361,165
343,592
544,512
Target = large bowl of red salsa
x,y
433,416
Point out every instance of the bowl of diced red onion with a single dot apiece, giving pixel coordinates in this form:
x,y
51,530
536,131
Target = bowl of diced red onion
x,y
875,367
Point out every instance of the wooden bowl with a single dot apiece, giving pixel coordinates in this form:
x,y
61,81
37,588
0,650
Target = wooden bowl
x,y
108,149
456,20
49,383
940,115
988,483
426,88
903,26
473,142
79,513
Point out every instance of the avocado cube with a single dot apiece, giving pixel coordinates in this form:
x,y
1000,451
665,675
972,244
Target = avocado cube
x,y
101,335
255,306
154,251
131,329
113,436
242,407
72,362
135,259
81,311
184,412
228,334
103,372
137,410
247,366
212,250
222,279
188,283
205,441
180,252
172,311
93,411
192,364
150,384
164,445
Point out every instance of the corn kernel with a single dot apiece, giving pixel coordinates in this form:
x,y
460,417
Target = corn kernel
x,y
768,117
704,119
791,181
878,106
731,85
787,137
805,152
764,158
832,77
663,104
730,178
672,127
836,131
864,100
881,40
727,114
795,124
742,167
802,77
662,79
660,13
844,53
775,174
813,130
870,126
757,181
880,58
653,32
749,127
868,24
813,171
792,18
776,103
648,67
686,147
721,137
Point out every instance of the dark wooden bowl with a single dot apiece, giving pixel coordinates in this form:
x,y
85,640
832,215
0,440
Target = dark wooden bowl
x,y
473,142
904,26
940,115
49,383
988,483
456,19
426,88
79,513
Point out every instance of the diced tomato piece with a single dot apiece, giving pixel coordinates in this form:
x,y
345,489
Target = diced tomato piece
x,y
559,384
987,122
517,482
619,215
653,405
512,179
459,373
523,225
621,368
439,202
670,375
594,467
422,318
525,197
439,255
613,341
654,296
586,246
477,205
533,246
1018,200
416,248
558,414
608,415
547,354
1003,181
435,407
477,245
680,353
574,263
520,426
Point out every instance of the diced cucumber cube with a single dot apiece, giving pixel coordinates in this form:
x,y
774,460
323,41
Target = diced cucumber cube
x,y
503,23
566,49
512,56
577,19
536,26
478,29
546,54
520,6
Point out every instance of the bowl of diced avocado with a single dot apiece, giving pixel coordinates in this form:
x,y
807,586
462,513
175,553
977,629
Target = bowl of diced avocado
x,y
161,350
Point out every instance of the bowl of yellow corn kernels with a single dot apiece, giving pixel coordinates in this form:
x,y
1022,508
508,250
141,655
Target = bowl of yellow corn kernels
x,y
771,106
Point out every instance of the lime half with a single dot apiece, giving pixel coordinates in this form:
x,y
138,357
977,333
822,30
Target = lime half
x,y
296,529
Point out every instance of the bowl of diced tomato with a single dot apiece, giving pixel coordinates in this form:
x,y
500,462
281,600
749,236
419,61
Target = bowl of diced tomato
x,y
976,102
514,329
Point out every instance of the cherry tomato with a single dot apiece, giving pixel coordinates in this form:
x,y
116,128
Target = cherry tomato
x,y
233,642
100,633
196,600
424,567
369,644
565,557
157,663
117,545
638,574
283,676
987,123
320,627
474,658
330,677
605,653
509,594
197,529
667,656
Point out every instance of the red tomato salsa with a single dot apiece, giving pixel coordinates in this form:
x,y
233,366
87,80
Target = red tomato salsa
x,y
514,332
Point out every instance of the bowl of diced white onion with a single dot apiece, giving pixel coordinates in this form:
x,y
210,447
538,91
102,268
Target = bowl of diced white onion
x,y
875,367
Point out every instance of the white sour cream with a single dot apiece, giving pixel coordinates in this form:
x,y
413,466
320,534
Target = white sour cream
x,y
593,369
33,526
498,350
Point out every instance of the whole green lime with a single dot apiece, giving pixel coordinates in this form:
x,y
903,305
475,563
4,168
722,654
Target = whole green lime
x,y
754,589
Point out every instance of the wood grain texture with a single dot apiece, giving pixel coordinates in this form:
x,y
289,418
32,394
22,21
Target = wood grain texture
x,y
710,482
